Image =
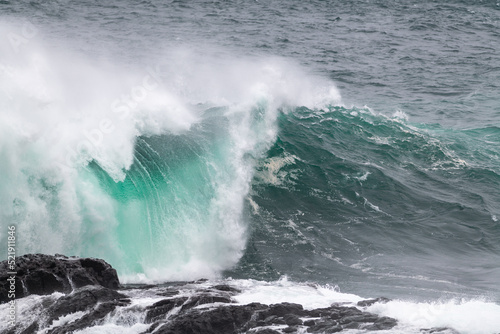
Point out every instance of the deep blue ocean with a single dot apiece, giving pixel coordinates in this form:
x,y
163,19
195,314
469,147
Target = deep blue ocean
x,y
350,144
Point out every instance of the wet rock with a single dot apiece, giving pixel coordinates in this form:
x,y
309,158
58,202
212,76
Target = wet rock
x,y
95,316
351,325
250,318
382,323
227,288
281,310
43,282
334,312
44,274
84,299
160,309
169,293
33,328
309,323
90,285
319,312
365,317
321,326
292,320
205,299
270,320
266,331
222,320
369,302
325,327
278,321
101,271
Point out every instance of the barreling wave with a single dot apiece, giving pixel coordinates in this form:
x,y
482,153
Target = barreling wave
x,y
145,167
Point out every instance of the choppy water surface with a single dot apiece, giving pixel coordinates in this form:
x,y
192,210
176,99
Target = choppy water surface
x,y
346,143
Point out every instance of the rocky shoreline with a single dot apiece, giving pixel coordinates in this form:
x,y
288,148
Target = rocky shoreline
x,y
70,294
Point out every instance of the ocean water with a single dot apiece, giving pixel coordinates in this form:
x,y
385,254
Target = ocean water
x,y
354,145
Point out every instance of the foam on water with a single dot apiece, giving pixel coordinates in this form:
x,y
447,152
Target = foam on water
x,y
308,295
114,329
465,316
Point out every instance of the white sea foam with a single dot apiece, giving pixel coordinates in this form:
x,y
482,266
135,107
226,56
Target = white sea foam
x,y
308,295
465,316
114,329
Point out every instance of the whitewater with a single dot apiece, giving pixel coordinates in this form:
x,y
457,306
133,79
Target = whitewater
x,y
301,152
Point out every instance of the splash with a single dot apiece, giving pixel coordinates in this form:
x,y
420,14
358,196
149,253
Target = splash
x,y
144,166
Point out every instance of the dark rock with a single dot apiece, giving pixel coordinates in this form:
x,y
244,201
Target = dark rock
x,y
266,331
80,278
322,325
382,323
135,286
205,299
334,329
94,317
153,327
269,320
283,309
325,327
319,312
44,274
90,289
33,328
365,317
5,286
227,288
84,299
278,321
222,320
103,273
96,301
42,282
370,302
201,280
169,293
292,320
348,311
351,325
160,309
309,323
280,310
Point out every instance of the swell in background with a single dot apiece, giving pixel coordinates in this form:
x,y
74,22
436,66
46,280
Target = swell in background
x,y
377,203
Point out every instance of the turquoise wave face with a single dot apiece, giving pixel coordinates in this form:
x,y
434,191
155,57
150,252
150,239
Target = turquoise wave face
x,y
348,194
146,166
171,207
176,214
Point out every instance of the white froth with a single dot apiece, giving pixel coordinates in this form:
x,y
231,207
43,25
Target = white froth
x,y
474,316
310,296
